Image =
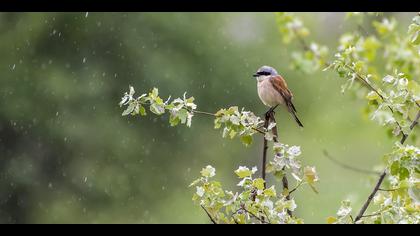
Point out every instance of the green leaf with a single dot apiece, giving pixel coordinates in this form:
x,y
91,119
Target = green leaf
x,y
209,171
154,94
258,183
371,96
404,173
243,172
331,220
270,192
246,139
174,120
182,114
129,109
157,109
415,40
142,111
395,167
310,174
232,134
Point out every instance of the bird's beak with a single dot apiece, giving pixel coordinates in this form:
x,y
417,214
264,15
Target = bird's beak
x,y
255,75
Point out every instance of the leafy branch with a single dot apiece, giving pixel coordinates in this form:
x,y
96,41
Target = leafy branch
x,y
256,203
354,61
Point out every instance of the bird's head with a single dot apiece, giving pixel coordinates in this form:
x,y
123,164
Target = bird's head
x,y
265,72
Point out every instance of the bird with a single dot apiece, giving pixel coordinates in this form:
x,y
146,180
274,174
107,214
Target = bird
x,y
273,91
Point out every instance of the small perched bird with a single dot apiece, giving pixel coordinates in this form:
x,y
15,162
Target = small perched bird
x,y
273,90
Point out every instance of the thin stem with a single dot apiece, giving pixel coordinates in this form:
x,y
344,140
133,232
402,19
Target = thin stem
x,y
208,214
388,190
365,82
202,112
345,166
297,186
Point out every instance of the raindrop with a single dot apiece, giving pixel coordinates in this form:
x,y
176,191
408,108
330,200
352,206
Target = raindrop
x,y
56,114
65,139
50,185
85,179
84,60
14,66
87,14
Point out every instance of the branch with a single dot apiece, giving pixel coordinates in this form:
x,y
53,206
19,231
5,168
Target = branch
x,y
208,214
297,186
345,166
264,156
284,180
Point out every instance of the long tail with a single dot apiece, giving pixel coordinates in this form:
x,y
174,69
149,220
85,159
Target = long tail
x,y
292,110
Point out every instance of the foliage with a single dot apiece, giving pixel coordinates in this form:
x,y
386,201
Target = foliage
x,y
254,204
243,124
386,63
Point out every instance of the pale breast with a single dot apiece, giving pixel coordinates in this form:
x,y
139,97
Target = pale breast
x,y
268,94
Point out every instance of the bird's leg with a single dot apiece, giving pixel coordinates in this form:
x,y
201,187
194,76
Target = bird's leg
x,y
270,112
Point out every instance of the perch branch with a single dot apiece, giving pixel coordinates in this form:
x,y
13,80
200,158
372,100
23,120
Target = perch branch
x,y
284,180
265,147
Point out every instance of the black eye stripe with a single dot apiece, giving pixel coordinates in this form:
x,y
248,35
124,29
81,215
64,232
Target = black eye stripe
x,y
263,73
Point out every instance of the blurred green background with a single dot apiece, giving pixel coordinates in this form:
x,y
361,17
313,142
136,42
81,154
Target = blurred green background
x,y
68,156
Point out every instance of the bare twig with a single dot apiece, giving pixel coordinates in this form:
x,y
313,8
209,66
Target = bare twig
x,y
203,112
388,190
208,214
345,166
295,188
